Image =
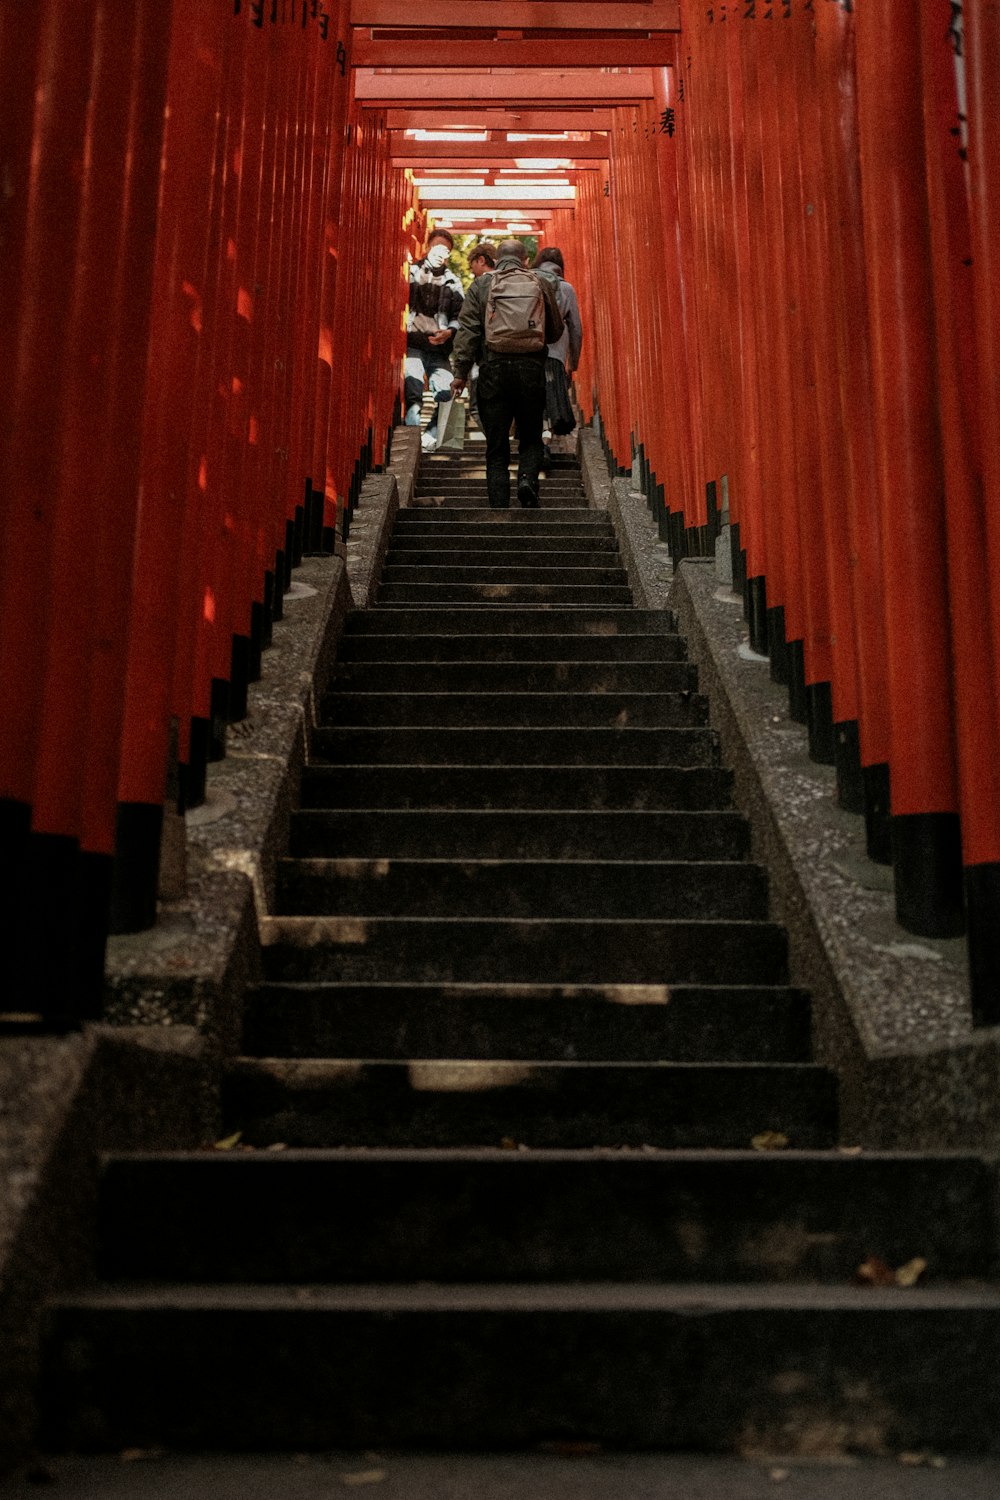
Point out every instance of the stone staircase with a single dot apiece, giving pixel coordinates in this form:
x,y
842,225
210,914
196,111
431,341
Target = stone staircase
x,y
524,1019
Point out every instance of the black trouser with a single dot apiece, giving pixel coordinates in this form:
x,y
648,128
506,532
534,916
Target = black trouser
x,y
511,389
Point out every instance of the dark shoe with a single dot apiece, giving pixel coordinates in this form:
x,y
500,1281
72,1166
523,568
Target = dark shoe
x,y
527,495
500,505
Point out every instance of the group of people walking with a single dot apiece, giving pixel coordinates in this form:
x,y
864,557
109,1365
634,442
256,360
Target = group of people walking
x,y
514,338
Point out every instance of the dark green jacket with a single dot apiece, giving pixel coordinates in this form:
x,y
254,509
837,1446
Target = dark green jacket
x,y
470,340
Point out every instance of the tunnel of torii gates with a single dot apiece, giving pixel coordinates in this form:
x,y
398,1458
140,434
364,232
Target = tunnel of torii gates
x,y
782,218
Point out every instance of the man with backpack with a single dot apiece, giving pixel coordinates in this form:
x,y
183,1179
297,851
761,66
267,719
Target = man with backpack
x,y
511,315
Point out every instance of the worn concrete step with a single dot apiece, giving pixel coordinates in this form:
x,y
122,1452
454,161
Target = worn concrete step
x,y
568,1023
516,677
503,833
477,556
559,594
608,788
507,573
517,515
526,621
449,504
688,890
538,950
460,1216
319,1102
511,648
627,1365
472,488
504,526
428,547
428,745
517,710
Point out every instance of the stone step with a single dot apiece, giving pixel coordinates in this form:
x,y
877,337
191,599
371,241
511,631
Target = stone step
x,y
436,746
477,556
607,788
506,573
449,504
515,677
516,710
375,1102
537,950
689,890
624,1365
559,594
516,516
568,1023
495,1215
427,547
475,486
501,526
578,622
502,833
511,648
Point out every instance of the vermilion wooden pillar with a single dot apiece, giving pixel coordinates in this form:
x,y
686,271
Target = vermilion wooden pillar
x,y
982,69
835,32
167,547
925,825
977,722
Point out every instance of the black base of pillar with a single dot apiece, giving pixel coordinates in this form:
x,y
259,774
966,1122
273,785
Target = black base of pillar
x,y
329,538
278,600
220,708
289,554
982,906
738,558
756,600
313,518
847,759
878,810
194,770
256,642
137,866
777,645
95,886
819,712
298,535
927,864
239,678
220,712
268,619
798,701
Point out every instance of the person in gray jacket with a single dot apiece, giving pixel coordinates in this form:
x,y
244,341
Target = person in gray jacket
x,y
549,262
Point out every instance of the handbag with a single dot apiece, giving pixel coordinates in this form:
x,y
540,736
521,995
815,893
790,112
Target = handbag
x,y
424,323
558,407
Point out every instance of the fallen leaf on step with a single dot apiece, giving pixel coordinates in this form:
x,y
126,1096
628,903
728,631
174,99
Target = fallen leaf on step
x,y
849,1150
572,1449
508,1143
229,1141
277,1146
912,1272
922,1460
769,1140
875,1272
779,1475
364,1476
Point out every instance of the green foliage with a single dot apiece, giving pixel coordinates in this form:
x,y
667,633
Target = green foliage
x,y
458,260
